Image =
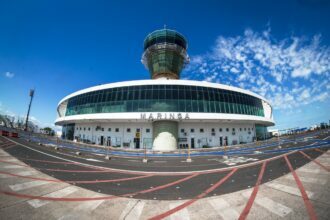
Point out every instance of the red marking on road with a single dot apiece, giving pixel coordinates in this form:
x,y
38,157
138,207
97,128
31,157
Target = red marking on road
x,y
184,205
97,198
77,181
308,204
315,161
167,185
249,204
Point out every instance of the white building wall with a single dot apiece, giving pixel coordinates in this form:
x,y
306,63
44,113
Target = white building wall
x,y
243,133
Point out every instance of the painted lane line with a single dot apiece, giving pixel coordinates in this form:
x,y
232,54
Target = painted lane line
x,y
223,208
315,161
308,204
309,180
288,189
136,212
167,185
159,173
189,202
180,215
78,181
60,193
94,160
272,206
27,185
249,204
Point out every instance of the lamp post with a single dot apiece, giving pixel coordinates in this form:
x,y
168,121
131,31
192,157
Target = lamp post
x,y
189,158
28,113
145,160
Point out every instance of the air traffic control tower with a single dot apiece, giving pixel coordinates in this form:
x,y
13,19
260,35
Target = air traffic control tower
x,y
165,54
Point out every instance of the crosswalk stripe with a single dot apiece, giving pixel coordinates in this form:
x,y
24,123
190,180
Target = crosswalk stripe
x,y
288,189
272,206
27,185
127,209
20,173
223,208
136,211
89,206
309,179
180,215
36,203
12,167
306,170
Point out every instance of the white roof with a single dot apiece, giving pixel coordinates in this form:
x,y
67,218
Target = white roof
x,y
163,82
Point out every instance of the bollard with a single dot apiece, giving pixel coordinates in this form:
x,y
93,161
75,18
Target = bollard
x,y
189,158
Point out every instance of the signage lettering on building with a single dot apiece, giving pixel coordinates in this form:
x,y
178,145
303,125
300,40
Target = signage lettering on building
x,y
166,116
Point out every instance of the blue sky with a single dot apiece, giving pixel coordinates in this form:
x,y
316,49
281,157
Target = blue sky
x,y
278,49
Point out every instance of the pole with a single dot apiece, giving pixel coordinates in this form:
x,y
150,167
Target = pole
x,y
145,160
189,158
28,113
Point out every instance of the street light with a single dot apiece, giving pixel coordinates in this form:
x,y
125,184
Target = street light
x,y
189,158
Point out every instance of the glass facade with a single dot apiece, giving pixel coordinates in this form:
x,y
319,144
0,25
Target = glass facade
x,y
164,98
165,36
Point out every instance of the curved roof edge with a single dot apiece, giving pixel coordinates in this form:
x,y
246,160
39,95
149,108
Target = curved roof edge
x,y
162,82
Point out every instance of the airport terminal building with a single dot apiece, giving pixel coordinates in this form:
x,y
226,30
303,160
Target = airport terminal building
x,y
164,113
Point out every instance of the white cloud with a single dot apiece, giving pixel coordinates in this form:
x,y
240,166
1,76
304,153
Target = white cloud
x,y
289,72
9,75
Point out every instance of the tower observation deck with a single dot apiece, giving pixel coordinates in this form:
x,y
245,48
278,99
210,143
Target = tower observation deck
x,y
165,54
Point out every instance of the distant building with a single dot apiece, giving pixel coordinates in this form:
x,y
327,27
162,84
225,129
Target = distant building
x,y
164,113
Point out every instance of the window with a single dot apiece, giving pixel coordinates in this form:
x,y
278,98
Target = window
x,y
220,129
128,130
192,130
249,129
89,129
84,129
80,128
227,129
117,130
182,130
213,130
148,130
109,129
201,130
102,129
244,129
233,129
252,129
240,129
138,130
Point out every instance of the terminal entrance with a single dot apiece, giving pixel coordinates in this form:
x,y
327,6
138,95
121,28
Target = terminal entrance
x,y
137,143
192,143
221,142
101,140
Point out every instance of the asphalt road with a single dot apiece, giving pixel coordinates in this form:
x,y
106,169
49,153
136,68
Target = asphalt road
x,y
161,178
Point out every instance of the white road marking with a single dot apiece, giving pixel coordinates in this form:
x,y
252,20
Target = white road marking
x,y
183,214
12,167
288,189
90,159
36,203
20,173
306,170
27,185
89,206
136,212
270,205
309,180
224,209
